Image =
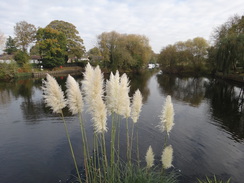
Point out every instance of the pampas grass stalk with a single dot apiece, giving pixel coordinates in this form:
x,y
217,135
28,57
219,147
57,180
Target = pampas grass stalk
x,y
118,104
135,113
54,98
75,104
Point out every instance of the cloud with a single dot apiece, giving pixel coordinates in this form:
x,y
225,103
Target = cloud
x,y
163,22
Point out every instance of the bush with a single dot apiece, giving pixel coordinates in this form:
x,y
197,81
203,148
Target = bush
x,y
8,71
21,57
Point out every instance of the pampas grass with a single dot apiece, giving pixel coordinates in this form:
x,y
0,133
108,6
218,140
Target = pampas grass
x,y
149,157
136,106
54,98
53,94
74,97
167,157
167,116
112,100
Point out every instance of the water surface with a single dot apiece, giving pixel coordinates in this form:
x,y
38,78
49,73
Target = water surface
x,y
207,137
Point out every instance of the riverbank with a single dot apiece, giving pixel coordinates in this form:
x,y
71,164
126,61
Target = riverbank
x,y
187,72
59,71
231,77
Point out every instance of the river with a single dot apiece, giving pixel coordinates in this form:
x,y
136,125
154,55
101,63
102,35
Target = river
x,y
207,138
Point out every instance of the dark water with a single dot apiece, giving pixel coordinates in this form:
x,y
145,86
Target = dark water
x,y
208,136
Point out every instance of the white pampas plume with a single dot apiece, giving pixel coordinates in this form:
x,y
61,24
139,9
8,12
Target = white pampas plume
x,y
99,116
53,95
74,97
167,157
112,93
167,116
93,89
149,157
87,83
136,105
124,99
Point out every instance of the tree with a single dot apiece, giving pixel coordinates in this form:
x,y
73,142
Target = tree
x,y
52,47
168,57
75,47
25,34
191,53
10,47
21,57
124,51
2,39
94,54
229,44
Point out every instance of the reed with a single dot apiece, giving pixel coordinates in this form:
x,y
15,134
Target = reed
x,y
103,162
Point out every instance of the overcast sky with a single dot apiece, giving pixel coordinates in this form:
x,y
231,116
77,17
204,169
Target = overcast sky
x,y
162,21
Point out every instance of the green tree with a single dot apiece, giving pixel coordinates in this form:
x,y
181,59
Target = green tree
x,y
168,57
189,54
75,47
229,44
21,57
52,47
10,46
25,34
198,48
35,50
94,54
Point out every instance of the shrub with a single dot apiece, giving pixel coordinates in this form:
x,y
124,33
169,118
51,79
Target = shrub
x,y
21,57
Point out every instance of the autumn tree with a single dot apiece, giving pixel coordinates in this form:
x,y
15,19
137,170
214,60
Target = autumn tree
x,y
190,54
10,46
25,34
168,56
124,51
75,47
52,46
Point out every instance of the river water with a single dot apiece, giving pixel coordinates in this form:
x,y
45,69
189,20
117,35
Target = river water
x,y
207,138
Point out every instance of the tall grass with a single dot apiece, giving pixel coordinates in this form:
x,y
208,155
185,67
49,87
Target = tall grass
x,y
103,163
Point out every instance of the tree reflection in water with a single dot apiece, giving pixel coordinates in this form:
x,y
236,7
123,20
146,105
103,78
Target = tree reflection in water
x,y
225,99
189,90
226,103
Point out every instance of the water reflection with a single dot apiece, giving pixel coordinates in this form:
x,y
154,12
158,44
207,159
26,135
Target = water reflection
x,y
190,90
225,100
226,107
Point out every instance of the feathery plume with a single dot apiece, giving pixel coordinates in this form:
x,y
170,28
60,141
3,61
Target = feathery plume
x,y
87,83
124,99
93,89
167,157
167,116
53,95
136,105
112,93
74,97
99,116
150,157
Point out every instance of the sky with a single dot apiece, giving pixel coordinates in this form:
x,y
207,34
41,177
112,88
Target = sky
x,y
163,22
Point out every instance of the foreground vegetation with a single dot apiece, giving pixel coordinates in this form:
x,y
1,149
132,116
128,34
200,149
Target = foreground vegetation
x,y
104,162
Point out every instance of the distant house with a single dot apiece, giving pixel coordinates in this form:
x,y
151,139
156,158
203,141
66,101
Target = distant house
x,y
35,59
6,58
